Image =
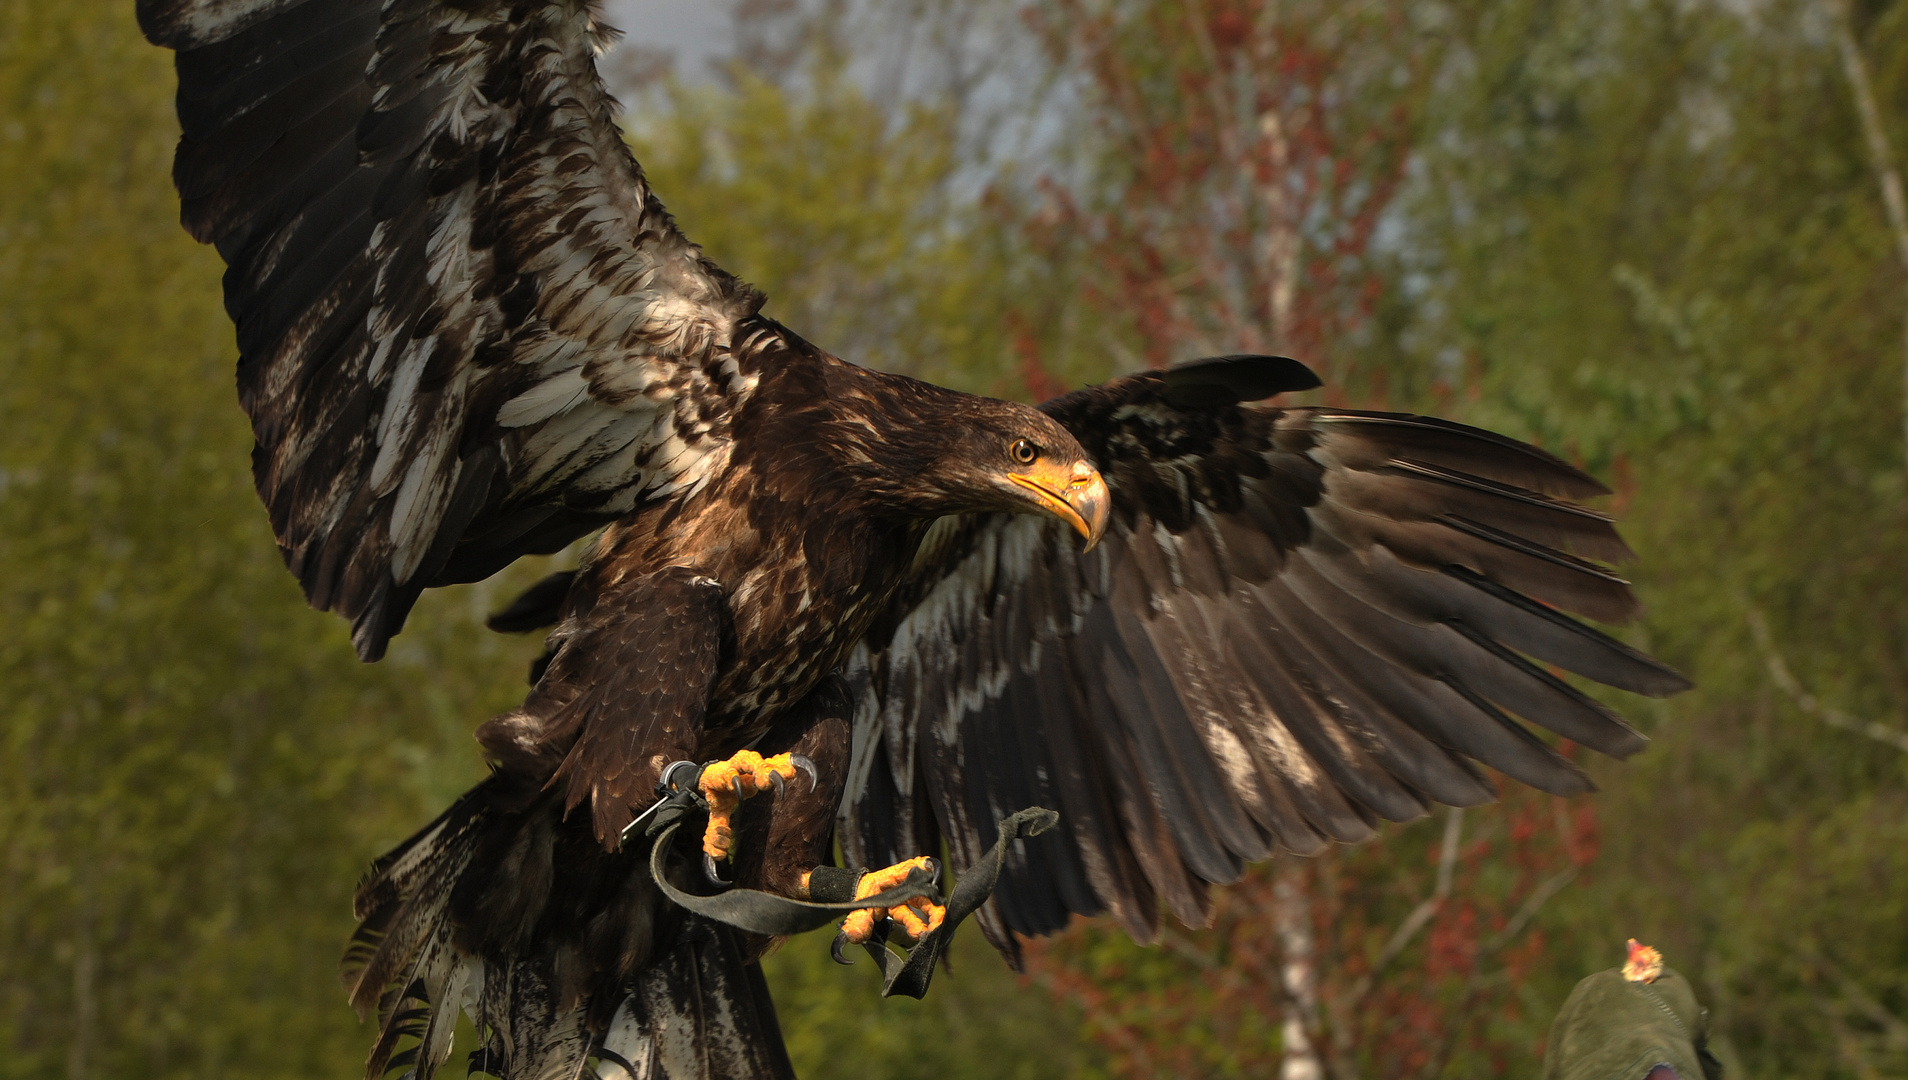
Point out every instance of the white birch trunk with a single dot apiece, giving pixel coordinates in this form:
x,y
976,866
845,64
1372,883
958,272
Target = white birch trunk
x,y
1298,970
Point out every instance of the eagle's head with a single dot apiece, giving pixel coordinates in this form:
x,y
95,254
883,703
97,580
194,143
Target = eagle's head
x,y
1004,456
929,452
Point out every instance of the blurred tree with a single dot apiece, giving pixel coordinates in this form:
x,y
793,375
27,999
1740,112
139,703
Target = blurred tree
x,y
846,211
1242,157
193,767
1245,157
1651,237
1421,940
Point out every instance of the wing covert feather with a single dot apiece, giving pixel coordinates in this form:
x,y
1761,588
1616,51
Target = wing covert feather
x,y
623,695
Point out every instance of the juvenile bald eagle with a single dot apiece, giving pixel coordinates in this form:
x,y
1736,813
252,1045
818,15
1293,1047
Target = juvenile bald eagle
x,y
469,332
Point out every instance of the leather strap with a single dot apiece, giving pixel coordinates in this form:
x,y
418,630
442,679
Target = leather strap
x,y
768,913
907,974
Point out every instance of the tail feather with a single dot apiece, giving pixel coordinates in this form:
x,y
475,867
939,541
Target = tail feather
x,y
458,995
403,960
530,1033
699,1010
395,874
702,1012
415,946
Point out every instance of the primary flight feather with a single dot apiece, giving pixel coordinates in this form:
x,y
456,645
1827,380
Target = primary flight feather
x,y
1200,629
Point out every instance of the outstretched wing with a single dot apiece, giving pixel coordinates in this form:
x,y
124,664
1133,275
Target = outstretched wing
x,y
1299,622
467,329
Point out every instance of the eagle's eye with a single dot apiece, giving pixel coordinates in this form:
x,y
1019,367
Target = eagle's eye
x,y
1024,451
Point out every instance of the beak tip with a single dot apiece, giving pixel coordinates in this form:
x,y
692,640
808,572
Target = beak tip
x,y
1092,504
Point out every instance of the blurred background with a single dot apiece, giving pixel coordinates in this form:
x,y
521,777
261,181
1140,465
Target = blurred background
x,y
1662,238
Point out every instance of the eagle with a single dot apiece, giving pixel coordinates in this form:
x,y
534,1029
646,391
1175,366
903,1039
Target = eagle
x,y
862,610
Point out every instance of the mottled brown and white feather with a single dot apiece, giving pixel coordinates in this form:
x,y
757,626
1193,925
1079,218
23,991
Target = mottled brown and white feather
x,y
468,330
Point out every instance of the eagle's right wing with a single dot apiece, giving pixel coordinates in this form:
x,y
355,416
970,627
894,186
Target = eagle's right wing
x,y
1299,622
467,329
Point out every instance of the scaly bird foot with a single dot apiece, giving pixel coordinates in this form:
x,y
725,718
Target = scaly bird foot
x,y
915,919
726,783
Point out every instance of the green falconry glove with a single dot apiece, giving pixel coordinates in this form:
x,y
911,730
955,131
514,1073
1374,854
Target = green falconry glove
x,y
1623,1023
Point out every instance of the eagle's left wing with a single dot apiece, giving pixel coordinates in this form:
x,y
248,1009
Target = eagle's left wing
x,y
1299,622
468,330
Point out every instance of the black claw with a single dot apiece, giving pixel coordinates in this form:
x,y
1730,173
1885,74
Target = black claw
x,y
807,766
735,784
709,871
834,951
781,786
933,867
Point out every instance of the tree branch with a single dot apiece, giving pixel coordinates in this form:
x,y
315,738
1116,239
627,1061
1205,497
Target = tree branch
x,y
1810,705
1894,1030
1531,906
1422,914
1880,158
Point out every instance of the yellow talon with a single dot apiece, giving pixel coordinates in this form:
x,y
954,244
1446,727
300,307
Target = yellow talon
x,y
917,918
726,783
858,927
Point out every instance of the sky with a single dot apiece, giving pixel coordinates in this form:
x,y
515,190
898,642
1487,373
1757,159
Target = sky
x,y
694,30
980,53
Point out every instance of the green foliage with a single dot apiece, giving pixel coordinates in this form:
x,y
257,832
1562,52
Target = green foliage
x,y
193,767
1649,237
978,1022
1659,247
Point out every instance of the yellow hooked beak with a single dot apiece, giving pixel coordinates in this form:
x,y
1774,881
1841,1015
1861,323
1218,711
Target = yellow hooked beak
x,y
1076,495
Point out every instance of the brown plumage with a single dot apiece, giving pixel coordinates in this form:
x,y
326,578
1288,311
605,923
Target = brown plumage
x,y
468,332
